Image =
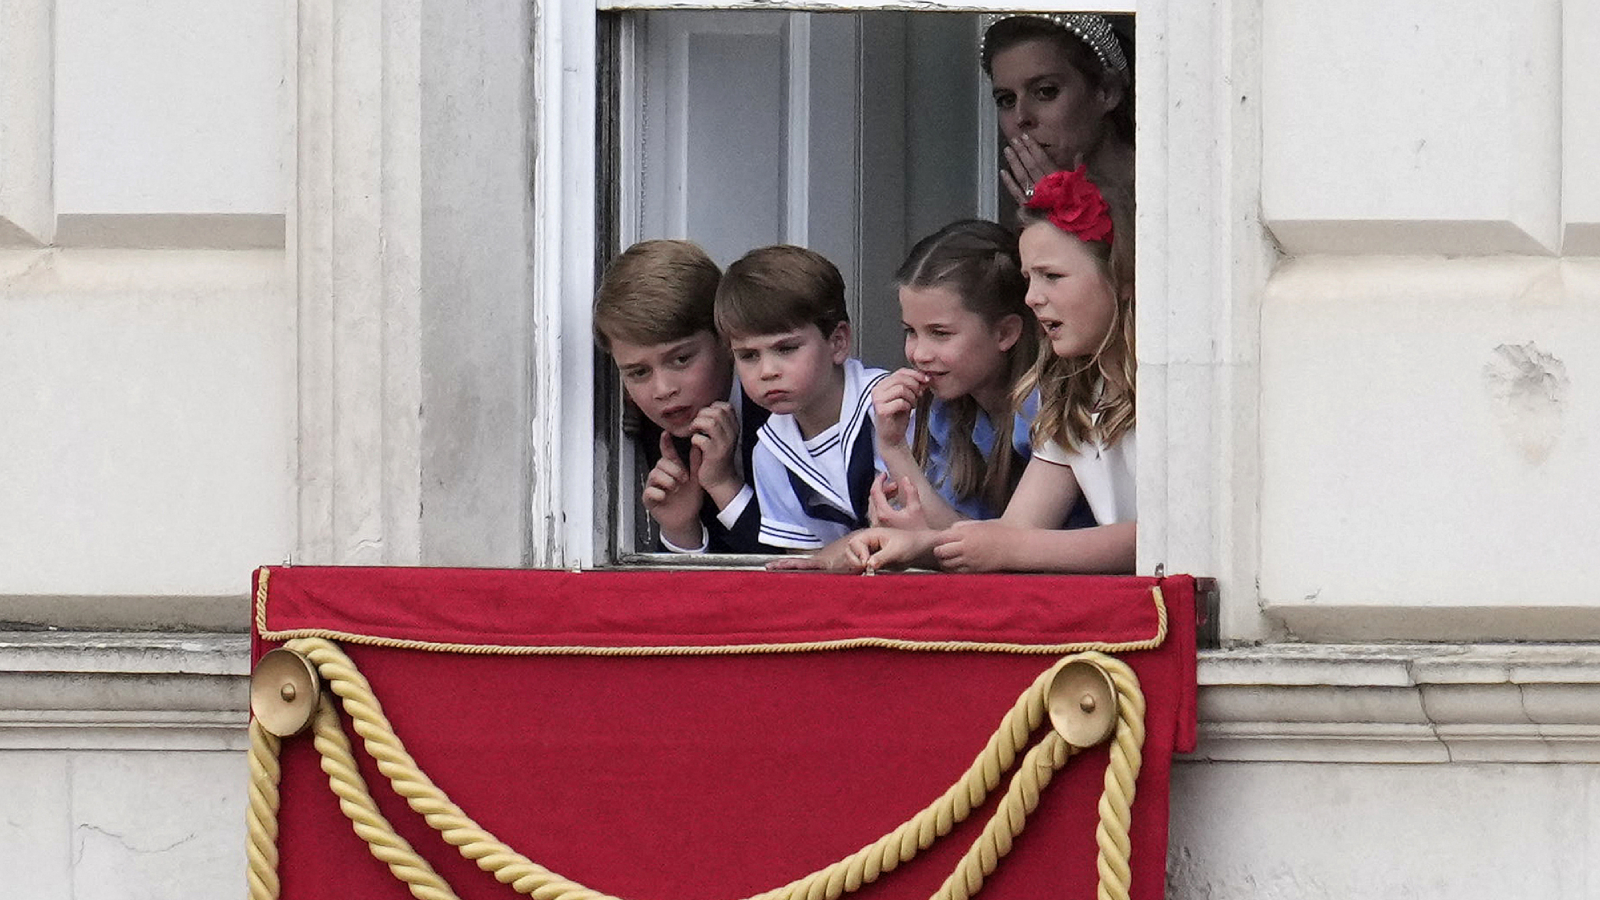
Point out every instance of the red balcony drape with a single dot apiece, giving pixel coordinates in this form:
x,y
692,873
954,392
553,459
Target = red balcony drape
x,y
720,769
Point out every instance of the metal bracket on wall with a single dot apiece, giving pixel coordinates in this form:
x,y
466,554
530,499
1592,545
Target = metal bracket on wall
x,y
1207,603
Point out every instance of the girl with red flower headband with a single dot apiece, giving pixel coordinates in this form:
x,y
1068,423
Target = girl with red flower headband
x,y
1080,288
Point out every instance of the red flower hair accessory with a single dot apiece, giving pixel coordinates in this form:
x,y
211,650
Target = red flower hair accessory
x,y
1073,204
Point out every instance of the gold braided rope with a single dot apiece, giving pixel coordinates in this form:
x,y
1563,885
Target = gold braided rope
x,y
356,802
349,637
262,574
1021,799
848,874
262,815
1116,800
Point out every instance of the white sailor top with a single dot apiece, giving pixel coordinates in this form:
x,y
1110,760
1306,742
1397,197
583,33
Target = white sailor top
x,y
812,492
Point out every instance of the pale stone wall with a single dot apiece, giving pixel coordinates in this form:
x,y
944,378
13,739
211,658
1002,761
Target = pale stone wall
x,y
147,432
265,281
147,328
1427,427
122,772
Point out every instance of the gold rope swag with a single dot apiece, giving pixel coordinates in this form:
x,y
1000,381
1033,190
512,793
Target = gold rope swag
x,y
864,866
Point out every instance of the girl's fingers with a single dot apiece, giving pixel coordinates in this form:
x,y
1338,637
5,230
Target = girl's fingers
x,y
910,498
904,395
898,390
898,393
907,376
854,557
878,506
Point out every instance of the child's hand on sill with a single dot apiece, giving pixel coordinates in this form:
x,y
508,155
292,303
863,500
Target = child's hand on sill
x,y
977,546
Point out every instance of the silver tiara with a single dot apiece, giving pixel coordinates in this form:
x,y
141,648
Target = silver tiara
x,y
1091,28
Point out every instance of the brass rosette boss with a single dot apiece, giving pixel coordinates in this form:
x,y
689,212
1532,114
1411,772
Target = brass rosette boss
x,y
283,692
1082,703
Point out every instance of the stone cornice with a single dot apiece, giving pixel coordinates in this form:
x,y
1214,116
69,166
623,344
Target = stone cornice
x,y
1415,703
134,691
1358,703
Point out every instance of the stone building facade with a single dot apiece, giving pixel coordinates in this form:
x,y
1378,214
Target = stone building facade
x,y
309,281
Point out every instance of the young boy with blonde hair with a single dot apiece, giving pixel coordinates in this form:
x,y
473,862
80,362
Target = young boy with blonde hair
x,y
782,311
653,314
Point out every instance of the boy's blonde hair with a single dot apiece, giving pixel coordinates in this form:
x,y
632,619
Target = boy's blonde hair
x,y
780,288
1090,399
655,292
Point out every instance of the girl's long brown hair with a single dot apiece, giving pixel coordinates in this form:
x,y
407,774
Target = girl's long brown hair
x,y
1090,399
977,260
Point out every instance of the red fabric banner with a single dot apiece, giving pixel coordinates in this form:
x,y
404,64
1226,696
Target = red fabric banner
x,y
716,776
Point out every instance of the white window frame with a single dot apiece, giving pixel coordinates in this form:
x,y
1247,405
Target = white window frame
x,y
1203,260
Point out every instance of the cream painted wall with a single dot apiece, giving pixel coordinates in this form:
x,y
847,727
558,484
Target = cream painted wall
x,y
149,401
1428,427
147,320
183,119
1286,831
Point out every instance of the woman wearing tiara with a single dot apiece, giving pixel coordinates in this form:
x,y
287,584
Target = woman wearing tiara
x,y
1063,89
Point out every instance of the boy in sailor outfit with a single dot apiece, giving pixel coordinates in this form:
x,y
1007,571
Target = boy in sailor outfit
x,y
782,310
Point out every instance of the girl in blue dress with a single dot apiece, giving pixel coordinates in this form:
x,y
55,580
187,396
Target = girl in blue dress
x,y
1079,267
951,432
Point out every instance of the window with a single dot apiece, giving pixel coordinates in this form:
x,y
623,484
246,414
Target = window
x,y
850,133
1199,229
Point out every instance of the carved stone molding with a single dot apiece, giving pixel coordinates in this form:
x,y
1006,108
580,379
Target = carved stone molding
x,y
1410,703
103,691
1328,703
408,239
353,235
